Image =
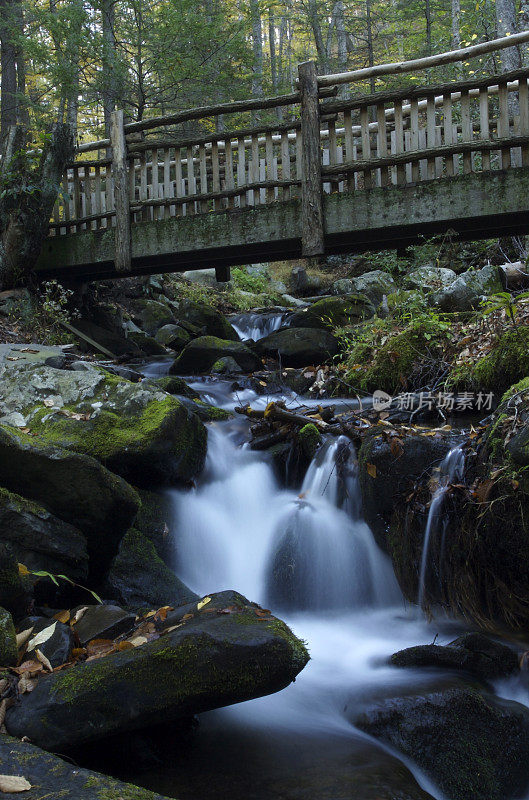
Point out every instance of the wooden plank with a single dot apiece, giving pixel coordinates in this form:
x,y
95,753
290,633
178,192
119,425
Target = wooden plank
x,y
312,223
229,179
430,136
155,177
399,142
77,200
503,123
97,190
448,130
382,142
299,156
215,172
179,182
167,183
255,168
333,151
269,161
66,199
414,127
366,145
241,169
484,129
285,164
466,130
121,193
349,141
191,182
204,206
144,194
523,99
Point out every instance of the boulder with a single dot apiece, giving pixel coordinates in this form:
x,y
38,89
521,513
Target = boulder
x,y
114,341
474,653
332,312
8,640
230,654
472,744
15,590
206,319
144,435
173,336
40,540
374,285
303,282
173,385
151,315
74,487
429,277
466,292
53,778
138,578
505,364
52,638
103,622
147,344
298,347
201,354
203,277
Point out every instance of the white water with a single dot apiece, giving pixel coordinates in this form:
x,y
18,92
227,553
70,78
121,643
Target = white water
x,y
450,468
257,325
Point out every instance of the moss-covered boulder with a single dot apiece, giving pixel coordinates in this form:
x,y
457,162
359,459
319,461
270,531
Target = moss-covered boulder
x,y
15,589
8,640
138,578
173,336
224,653
466,292
52,778
173,385
40,540
429,277
74,487
298,347
374,285
332,312
147,344
144,435
472,744
200,355
309,439
206,319
504,365
151,315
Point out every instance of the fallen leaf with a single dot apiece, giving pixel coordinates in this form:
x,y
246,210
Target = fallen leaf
x,y
49,402
78,652
482,491
14,783
187,616
161,614
203,602
26,684
22,569
173,628
23,637
31,666
371,470
42,636
79,613
28,350
14,358
44,660
125,646
99,647
396,447
137,641
62,616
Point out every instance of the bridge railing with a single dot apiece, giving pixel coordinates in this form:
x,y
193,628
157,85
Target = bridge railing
x,y
320,145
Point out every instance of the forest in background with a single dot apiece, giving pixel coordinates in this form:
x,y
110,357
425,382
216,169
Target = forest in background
x,y
74,61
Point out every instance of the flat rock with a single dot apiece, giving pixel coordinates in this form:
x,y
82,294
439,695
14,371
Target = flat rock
x,y
103,622
225,653
298,347
201,354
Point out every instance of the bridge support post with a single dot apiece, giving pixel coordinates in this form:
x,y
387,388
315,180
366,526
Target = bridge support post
x,y
312,232
121,192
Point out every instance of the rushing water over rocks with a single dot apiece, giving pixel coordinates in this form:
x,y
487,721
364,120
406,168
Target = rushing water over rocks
x,y
254,325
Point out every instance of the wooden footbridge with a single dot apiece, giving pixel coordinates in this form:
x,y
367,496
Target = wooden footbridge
x,y
330,175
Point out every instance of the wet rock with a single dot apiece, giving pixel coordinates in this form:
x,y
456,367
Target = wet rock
x,y
466,292
147,344
8,640
374,285
475,653
74,487
53,778
206,319
226,365
429,277
138,578
225,656
15,590
52,638
113,340
103,622
201,354
172,385
474,745
298,347
505,364
40,540
173,336
331,312
151,315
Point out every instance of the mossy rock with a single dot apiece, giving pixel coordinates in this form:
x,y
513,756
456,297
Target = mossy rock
x,y
173,385
506,364
8,640
147,344
333,312
209,321
55,779
299,347
173,336
15,590
213,659
40,540
199,356
309,439
153,520
151,315
454,736
139,579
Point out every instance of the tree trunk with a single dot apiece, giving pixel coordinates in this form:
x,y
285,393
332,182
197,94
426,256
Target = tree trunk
x,y
257,45
108,17
9,51
28,199
315,24
506,25
456,24
370,52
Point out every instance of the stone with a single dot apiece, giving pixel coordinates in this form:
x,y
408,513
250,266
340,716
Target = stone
x,y
147,344
8,640
172,385
429,277
200,355
173,336
212,660
58,645
303,282
114,341
474,653
202,277
40,540
151,315
138,578
332,312
226,365
206,319
298,347
103,622
295,302
472,744
53,778
467,291
74,487
15,589
374,285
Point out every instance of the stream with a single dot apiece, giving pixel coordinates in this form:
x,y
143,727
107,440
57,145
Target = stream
x,y
231,532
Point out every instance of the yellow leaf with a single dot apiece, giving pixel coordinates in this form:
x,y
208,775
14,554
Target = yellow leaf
x,y
372,470
22,569
203,603
23,637
138,640
14,783
62,616
43,660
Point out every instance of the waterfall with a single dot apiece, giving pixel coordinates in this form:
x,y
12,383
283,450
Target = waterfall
x,y
450,468
256,326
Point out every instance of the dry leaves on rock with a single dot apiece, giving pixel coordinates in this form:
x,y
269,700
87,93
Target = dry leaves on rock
x,y
14,783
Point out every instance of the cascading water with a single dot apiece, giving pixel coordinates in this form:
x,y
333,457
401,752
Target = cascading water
x,y
258,325
450,468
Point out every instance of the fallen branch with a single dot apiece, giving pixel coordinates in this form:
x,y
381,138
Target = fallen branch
x,y
277,413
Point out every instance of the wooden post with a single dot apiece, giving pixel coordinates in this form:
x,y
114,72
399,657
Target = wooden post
x,y
121,192
312,239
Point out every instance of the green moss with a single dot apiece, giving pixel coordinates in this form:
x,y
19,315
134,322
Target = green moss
x,y
110,789
518,388
506,364
309,439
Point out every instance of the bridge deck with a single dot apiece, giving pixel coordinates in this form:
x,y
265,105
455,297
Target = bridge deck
x,y
375,171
